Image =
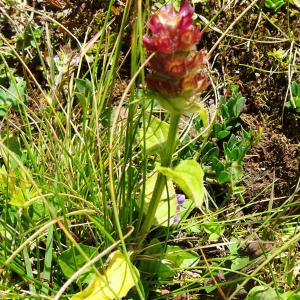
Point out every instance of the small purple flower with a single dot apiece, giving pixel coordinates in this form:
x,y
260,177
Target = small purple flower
x,y
180,199
176,219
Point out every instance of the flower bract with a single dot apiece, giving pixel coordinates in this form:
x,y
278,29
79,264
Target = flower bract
x,y
177,69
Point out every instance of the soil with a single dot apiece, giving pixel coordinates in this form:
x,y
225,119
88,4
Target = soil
x,y
263,80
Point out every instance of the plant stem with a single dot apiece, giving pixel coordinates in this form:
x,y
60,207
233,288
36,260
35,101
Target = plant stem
x,y
166,159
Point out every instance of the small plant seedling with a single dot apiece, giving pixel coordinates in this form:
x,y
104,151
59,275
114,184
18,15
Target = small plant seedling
x,y
16,93
274,4
223,164
294,102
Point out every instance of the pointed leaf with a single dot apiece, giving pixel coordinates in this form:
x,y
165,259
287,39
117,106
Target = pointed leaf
x,y
188,175
115,282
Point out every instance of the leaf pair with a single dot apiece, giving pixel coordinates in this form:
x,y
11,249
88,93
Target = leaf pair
x,y
188,174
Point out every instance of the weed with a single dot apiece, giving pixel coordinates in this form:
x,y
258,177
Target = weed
x,y
95,203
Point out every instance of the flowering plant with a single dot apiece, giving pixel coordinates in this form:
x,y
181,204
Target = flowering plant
x,y
176,76
177,70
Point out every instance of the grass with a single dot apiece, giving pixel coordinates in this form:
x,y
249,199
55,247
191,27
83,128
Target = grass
x,y
74,170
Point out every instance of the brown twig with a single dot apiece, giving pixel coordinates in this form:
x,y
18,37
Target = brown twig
x,y
212,276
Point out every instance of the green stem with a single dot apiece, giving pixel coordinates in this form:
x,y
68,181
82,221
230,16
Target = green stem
x,y
166,159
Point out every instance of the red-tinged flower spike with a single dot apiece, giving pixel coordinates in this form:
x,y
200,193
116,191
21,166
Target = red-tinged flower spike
x,y
177,70
172,31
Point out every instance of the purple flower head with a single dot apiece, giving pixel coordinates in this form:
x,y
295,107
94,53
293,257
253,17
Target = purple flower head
x,y
180,199
176,219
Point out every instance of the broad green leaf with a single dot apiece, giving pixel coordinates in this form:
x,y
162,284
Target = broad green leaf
x,y
114,283
83,89
188,175
165,265
168,202
209,153
295,87
182,258
156,136
262,293
238,263
214,228
3,111
223,176
71,260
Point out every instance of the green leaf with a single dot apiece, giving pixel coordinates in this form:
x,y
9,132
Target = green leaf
x,y
154,263
16,93
221,134
211,154
166,265
203,113
156,136
188,175
232,108
233,246
71,260
3,110
182,258
262,293
290,295
83,89
114,282
236,172
295,87
238,263
223,176
167,204
13,144
17,188
214,228
274,4
220,131
22,195
83,86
